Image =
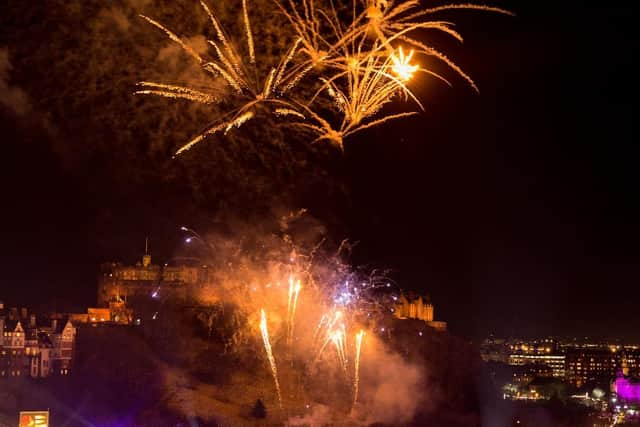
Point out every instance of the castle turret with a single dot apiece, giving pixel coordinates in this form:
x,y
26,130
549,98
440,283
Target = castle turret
x,y
146,259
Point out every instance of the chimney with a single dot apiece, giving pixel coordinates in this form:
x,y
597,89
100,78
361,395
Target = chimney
x,y
54,324
32,321
23,312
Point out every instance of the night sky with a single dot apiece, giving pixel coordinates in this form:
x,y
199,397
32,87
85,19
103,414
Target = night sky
x,y
516,210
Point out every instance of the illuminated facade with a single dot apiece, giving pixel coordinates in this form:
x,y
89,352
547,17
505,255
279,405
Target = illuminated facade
x,y
587,366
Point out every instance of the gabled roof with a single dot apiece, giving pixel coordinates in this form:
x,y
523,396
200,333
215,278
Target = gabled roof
x,y
12,325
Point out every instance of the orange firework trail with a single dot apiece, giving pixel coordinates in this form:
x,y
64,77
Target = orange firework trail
x,y
289,304
356,376
267,347
296,292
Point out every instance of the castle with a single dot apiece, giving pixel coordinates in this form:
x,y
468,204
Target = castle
x,y
413,306
118,283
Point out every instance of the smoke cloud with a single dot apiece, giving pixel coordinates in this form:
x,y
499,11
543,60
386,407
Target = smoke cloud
x,y
392,388
319,416
11,97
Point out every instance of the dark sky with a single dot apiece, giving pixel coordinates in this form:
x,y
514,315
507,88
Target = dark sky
x,y
516,209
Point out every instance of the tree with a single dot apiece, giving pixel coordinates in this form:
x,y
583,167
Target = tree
x,y
259,410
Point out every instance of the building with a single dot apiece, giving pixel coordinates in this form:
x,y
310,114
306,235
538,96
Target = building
x,y
12,351
35,350
119,284
519,352
533,347
494,349
526,373
556,362
591,366
116,312
413,306
630,361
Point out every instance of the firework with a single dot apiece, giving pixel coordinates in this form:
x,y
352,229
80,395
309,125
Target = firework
x,y
370,85
272,360
354,54
392,21
249,91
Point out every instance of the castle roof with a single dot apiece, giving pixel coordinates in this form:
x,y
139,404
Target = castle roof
x,y
413,296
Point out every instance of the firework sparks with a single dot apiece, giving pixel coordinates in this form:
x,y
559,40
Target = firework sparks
x,y
176,92
272,360
227,64
294,291
402,65
370,85
329,333
393,21
322,321
337,337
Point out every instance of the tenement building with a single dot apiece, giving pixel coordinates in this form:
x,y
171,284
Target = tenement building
x,y
29,348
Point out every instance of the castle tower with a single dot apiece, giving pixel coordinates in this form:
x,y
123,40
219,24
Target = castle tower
x,y
146,259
